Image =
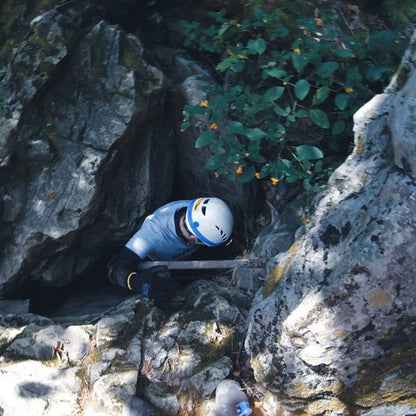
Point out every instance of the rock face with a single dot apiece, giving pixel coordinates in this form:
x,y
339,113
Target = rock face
x,y
134,359
101,114
333,329
88,147
88,144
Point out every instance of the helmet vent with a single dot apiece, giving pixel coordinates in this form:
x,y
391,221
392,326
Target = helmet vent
x,y
222,234
204,209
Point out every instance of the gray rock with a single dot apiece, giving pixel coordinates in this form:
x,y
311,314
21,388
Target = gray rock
x,y
100,102
112,394
207,380
330,333
135,356
338,306
37,389
37,343
138,407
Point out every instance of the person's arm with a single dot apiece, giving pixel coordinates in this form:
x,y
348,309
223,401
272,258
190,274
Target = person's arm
x,y
155,282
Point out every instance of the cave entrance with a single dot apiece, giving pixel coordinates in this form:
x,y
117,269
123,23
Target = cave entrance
x,y
92,294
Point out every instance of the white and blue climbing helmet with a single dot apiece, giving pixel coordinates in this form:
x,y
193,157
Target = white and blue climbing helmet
x,y
243,409
210,219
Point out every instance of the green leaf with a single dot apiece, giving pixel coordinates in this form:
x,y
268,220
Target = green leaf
x,y
305,165
227,63
338,127
278,32
281,112
307,185
217,145
286,167
210,31
319,118
197,109
318,167
308,152
376,73
321,95
292,178
265,170
380,40
205,138
240,103
232,141
215,161
302,88
299,62
223,29
258,13
254,109
256,157
236,127
343,53
231,94
221,103
189,26
238,66
255,134
280,130
354,74
270,64
301,113
274,73
272,94
248,174
326,69
256,46
254,98
231,176
341,101
218,15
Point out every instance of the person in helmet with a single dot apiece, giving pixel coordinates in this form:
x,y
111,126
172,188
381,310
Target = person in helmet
x,y
172,232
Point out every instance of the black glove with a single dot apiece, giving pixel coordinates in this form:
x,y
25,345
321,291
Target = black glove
x,y
154,283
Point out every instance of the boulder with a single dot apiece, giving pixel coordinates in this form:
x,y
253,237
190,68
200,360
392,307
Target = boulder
x,y
37,389
332,330
137,357
72,145
89,144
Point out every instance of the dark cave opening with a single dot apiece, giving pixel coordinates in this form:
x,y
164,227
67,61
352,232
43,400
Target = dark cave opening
x,y
93,294
91,287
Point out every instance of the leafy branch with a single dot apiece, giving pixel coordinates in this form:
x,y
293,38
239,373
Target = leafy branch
x,y
285,97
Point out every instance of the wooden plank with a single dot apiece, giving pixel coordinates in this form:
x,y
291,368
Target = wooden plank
x,y
195,264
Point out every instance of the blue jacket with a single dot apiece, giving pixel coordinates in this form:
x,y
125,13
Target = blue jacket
x,y
157,238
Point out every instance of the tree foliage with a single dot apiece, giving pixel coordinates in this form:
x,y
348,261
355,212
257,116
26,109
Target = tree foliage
x,y
282,98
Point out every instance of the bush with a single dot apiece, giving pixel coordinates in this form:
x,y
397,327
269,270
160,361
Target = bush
x,y
282,98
